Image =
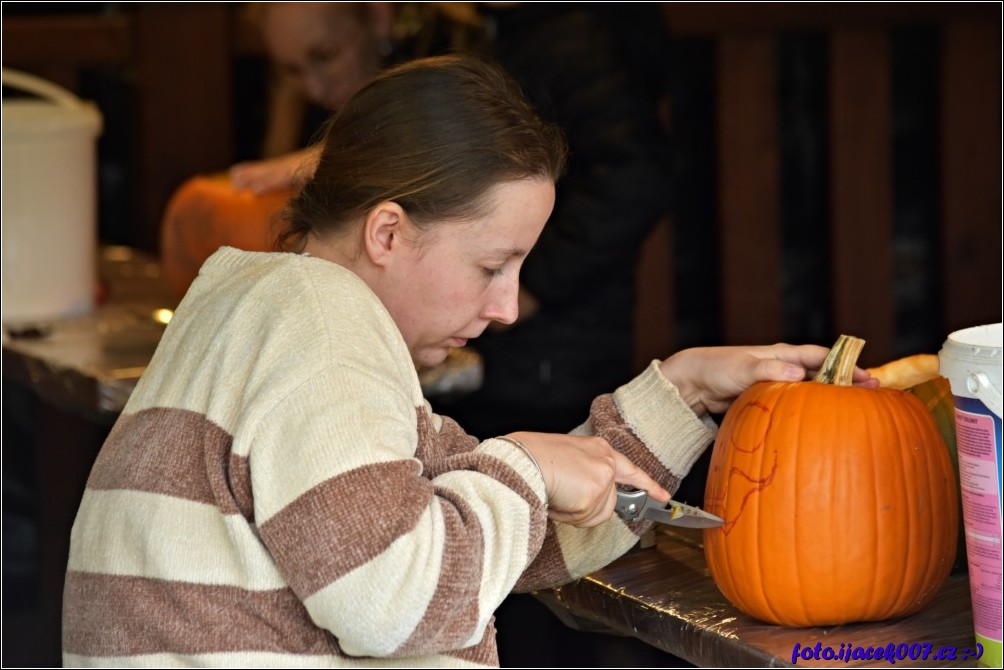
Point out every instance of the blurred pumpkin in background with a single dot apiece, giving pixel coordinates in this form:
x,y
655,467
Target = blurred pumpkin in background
x,y
840,502
206,213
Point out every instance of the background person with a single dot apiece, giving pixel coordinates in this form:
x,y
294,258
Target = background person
x,y
323,52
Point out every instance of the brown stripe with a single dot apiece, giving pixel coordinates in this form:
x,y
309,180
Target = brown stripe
x,y
548,568
108,615
449,439
452,614
452,449
447,450
484,653
345,522
177,453
610,425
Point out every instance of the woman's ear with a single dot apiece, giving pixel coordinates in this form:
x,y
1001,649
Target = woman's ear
x,y
382,231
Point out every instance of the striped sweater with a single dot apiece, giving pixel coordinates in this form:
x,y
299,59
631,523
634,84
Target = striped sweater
x,y
277,492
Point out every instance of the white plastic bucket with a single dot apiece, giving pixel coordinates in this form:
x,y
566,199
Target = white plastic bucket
x,y
49,218
972,360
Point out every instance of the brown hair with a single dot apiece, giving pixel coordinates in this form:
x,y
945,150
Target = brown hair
x,y
434,135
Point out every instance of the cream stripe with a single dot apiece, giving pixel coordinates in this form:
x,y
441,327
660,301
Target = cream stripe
x,y
391,592
507,536
177,539
260,660
395,585
323,431
652,407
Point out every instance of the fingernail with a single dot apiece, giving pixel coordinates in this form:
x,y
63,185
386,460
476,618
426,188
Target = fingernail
x,y
794,373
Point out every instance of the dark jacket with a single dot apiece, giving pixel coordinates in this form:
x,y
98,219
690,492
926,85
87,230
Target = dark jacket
x,y
580,66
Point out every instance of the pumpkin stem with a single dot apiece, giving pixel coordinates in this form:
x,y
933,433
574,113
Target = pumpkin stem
x,y
838,368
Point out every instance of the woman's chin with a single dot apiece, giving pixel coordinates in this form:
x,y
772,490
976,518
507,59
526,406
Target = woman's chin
x,y
430,357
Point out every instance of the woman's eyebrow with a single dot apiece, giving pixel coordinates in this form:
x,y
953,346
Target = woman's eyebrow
x,y
506,252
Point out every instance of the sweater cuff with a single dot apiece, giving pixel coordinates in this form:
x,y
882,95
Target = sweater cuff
x,y
652,406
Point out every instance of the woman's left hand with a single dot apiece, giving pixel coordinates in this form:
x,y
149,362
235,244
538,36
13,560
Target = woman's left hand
x,y
710,378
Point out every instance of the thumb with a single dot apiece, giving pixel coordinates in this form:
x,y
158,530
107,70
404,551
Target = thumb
x,y
630,474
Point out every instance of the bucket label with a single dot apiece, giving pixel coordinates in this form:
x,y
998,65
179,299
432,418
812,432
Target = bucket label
x,y
979,442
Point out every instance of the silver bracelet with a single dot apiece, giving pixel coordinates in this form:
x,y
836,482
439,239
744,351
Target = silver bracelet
x,y
522,447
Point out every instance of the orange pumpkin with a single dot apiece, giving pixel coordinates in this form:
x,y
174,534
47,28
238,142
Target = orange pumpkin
x,y
840,502
206,213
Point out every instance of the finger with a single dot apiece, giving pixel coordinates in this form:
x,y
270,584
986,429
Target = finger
x,y
630,474
861,375
238,179
778,370
808,356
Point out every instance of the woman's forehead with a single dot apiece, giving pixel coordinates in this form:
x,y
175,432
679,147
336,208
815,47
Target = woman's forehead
x,y
294,25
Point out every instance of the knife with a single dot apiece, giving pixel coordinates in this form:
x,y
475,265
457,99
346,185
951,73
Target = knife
x,y
634,505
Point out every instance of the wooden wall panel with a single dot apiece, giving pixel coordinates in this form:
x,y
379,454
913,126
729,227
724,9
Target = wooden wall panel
x,y
749,190
655,299
971,174
862,253
186,115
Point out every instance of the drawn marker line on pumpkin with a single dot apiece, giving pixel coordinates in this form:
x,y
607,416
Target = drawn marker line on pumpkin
x,y
761,484
763,408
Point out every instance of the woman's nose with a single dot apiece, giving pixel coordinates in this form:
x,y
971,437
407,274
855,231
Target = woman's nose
x,y
314,86
503,305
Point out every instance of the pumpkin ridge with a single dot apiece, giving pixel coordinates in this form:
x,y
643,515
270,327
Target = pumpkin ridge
x,y
753,516
934,462
910,484
909,602
886,536
797,539
876,582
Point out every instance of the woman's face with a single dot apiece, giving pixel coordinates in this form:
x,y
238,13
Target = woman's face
x,y
329,50
447,286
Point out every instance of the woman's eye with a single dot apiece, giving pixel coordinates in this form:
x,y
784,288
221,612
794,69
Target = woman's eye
x,y
324,54
493,272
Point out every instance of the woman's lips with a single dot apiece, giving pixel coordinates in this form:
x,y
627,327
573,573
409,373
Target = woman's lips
x,y
458,341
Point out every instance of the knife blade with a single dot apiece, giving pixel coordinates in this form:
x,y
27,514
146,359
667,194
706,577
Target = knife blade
x,y
633,505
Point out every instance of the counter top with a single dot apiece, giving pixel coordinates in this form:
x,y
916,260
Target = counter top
x,y
664,595
91,363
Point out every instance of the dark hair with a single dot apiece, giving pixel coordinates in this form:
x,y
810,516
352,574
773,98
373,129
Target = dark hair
x,y
434,135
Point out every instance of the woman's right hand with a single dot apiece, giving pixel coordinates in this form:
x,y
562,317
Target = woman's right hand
x,y
581,474
278,173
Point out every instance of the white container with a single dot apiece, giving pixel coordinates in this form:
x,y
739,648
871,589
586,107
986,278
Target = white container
x,y
973,360
49,200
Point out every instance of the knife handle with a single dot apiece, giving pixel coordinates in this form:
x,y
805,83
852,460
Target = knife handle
x,y
630,503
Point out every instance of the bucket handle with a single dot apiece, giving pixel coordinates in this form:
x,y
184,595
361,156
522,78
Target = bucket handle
x,y
40,87
979,385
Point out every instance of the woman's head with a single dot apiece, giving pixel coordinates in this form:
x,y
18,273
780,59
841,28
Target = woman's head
x,y
434,135
434,182
329,50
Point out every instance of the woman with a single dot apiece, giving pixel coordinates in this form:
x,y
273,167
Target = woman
x,y
277,492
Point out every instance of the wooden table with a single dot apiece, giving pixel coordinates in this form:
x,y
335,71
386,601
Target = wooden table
x,y
665,596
